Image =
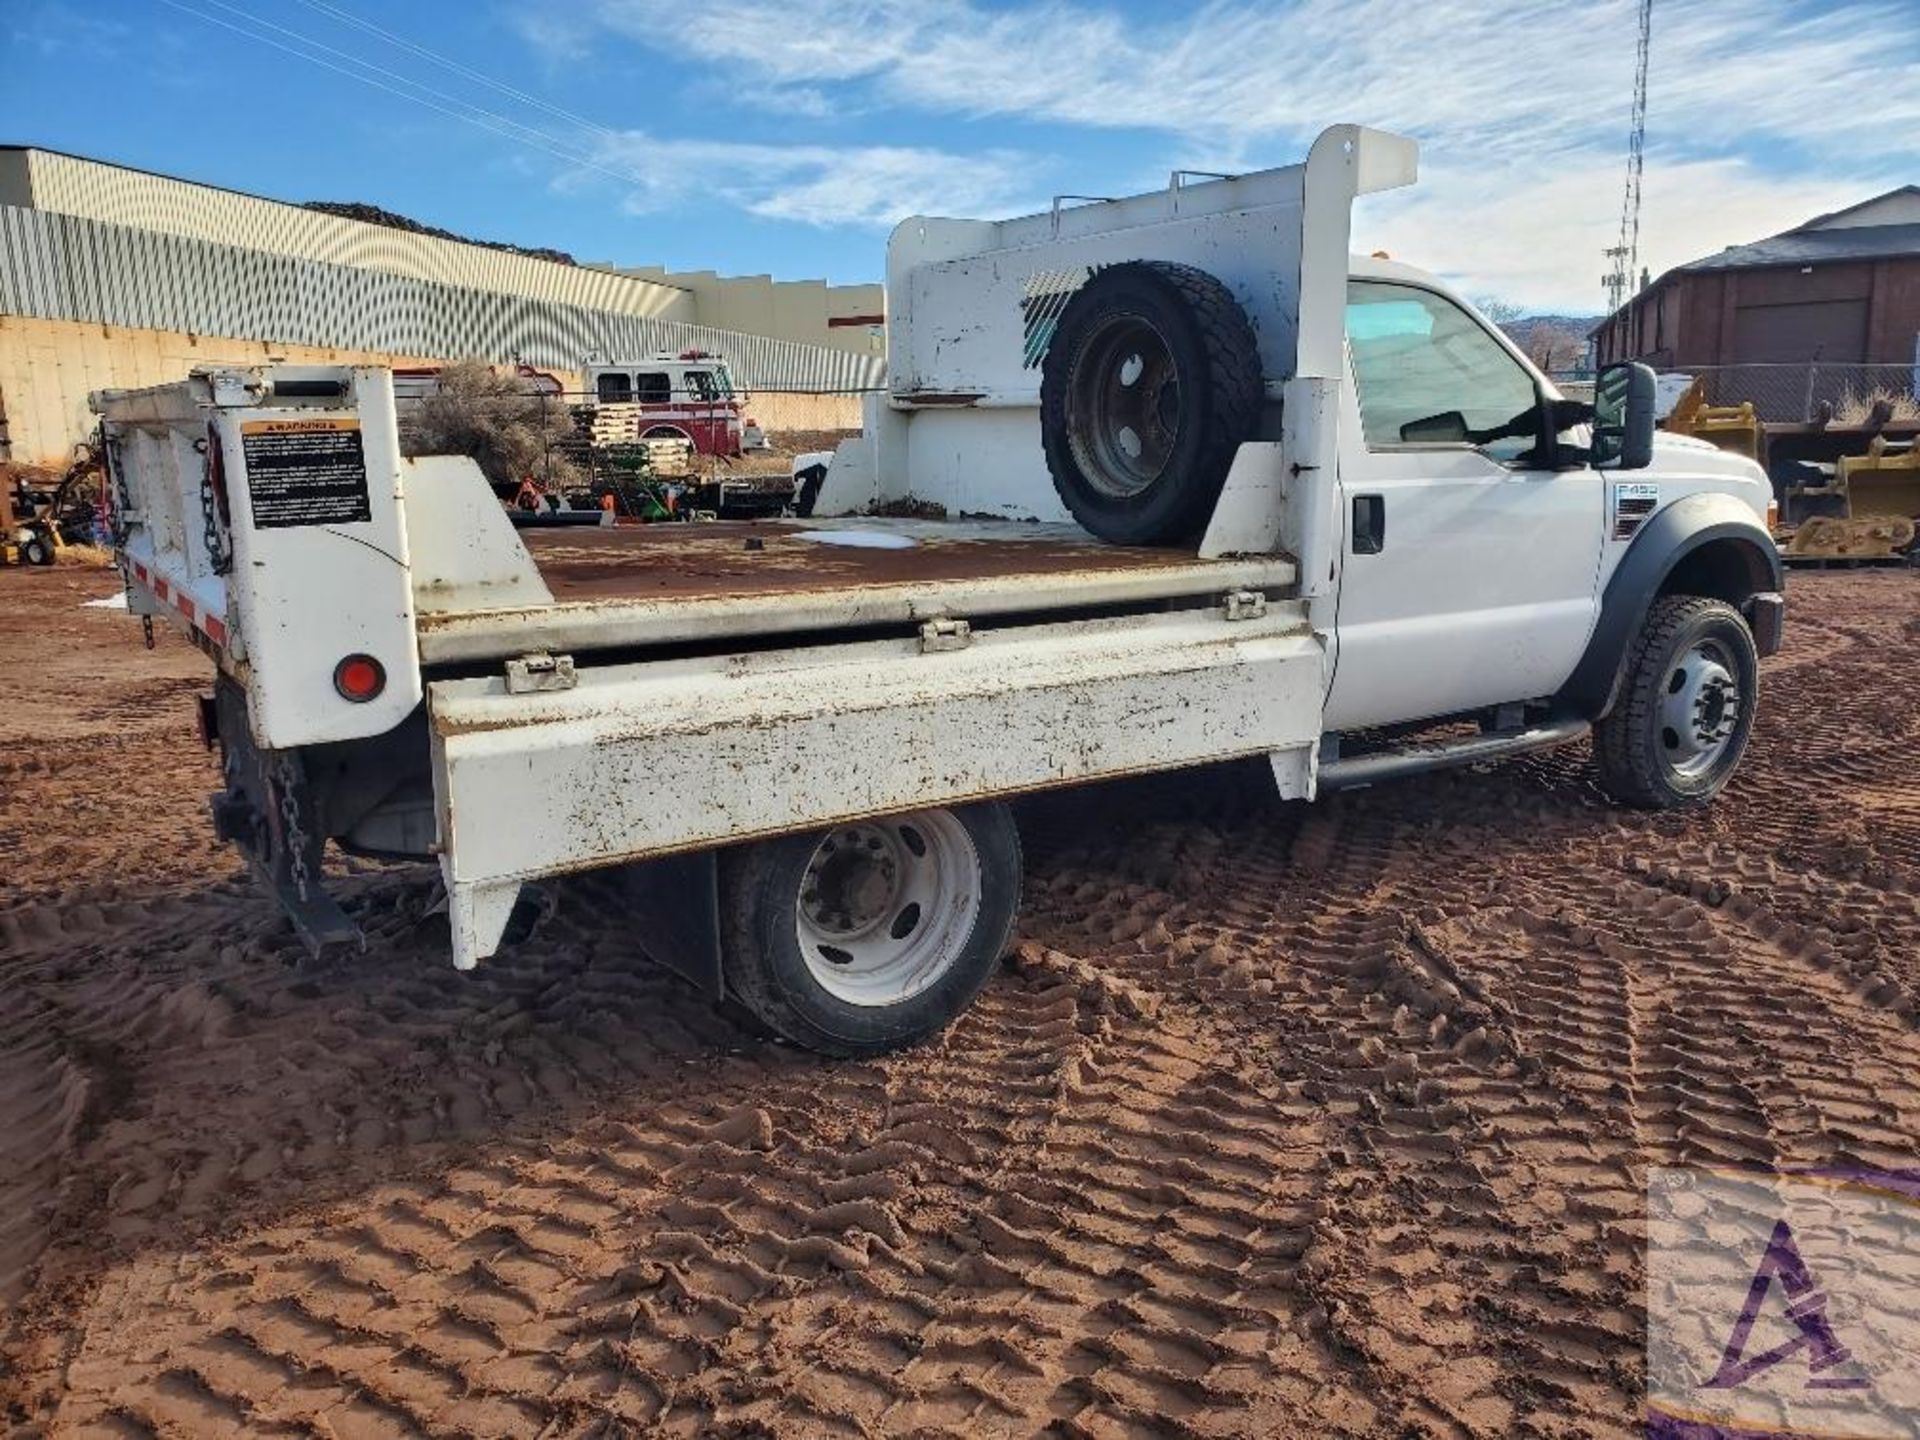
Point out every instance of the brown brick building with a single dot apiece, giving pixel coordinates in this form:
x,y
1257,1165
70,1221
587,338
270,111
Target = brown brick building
x,y
1842,289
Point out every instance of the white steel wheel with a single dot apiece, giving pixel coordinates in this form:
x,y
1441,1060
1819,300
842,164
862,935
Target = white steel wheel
x,y
873,934
1701,707
885,906
1685,707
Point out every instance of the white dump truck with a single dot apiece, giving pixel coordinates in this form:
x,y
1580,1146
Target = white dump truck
x,y
1256,499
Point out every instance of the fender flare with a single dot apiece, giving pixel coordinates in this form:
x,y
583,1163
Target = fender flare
x,y
1672,534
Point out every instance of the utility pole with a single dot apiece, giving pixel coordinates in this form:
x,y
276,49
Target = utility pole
x,y
1625,253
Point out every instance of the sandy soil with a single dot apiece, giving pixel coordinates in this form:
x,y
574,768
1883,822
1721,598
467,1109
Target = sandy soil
x,y
1281,1120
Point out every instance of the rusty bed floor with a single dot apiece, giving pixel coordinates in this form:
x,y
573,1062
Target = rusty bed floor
x,y
737,558
723,582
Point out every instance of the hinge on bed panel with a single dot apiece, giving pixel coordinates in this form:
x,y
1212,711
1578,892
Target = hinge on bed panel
x,y
1245,604
945,635
540,672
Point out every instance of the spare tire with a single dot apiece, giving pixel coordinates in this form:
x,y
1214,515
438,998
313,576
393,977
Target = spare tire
x,y
1150,383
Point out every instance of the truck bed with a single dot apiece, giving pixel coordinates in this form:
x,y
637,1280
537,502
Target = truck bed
x,y
623,586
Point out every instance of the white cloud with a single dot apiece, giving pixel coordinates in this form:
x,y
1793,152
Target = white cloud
x,y
1755,117
1510,75
873,185
561,39
1535,236
53,28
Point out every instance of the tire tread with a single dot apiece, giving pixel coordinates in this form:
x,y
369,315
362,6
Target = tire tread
x,y
749,881
1235,387
1629,770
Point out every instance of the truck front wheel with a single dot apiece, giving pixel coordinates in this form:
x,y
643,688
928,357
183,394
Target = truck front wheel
x,y
1685,708
873,934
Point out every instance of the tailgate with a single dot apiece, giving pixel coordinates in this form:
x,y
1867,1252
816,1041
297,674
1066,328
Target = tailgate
x,y
260,509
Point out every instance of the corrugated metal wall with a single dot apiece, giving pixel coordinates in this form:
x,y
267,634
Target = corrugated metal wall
x,y
90,190
63,267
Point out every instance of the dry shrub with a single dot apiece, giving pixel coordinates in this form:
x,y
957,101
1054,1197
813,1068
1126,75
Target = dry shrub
x,y
509,433
1855,407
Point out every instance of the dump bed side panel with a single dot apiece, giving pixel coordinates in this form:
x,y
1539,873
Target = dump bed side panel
x,y
649,759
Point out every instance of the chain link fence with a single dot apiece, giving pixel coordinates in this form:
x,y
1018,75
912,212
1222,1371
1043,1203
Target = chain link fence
x,y
1819,391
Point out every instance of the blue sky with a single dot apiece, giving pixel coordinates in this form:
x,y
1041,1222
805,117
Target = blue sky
x,y
784,136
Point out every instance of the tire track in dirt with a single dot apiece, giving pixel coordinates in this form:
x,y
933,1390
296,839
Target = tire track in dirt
x,y
124,1048
1429,1076
1285,1120
1625,1026
927,1245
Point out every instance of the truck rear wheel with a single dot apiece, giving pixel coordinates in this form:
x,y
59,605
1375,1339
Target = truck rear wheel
x,y
1150,383
1685,708
873,934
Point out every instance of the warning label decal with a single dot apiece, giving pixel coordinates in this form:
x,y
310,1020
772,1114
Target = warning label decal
x,y
305,472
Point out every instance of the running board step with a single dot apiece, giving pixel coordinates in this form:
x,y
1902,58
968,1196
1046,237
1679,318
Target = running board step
x,y
1362,770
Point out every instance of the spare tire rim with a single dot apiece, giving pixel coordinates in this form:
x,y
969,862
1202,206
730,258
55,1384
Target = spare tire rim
x,y
886,906
1699,709
1123,406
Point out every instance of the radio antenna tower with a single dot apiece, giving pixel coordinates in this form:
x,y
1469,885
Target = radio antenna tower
x,y
1625,254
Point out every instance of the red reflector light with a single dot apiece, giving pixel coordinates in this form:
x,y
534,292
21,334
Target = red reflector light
x,y
359,678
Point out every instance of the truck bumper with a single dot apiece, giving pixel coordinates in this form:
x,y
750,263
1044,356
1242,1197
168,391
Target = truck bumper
x,y
1767,618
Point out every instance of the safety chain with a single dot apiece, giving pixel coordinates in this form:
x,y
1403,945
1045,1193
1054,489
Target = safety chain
x,y
122,503
218,555
292,836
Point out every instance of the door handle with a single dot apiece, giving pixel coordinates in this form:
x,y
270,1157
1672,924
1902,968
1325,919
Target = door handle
x,y
1369,524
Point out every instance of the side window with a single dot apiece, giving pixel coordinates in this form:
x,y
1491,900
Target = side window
x,y
654,388
614,387
1428,373
700,385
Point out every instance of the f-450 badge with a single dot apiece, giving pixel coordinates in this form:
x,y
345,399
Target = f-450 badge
x,y
1633,502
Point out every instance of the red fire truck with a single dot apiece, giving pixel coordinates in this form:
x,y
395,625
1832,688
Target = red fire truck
x,y
688,395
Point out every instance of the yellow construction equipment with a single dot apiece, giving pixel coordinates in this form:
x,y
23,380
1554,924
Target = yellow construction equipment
x,y
1731,427
1832,537
37,522
1879,495
1884,481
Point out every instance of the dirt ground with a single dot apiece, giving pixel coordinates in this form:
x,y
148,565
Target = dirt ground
x,y
1281,1121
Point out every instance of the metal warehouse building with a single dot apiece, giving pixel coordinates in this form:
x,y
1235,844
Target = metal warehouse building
x,y
111,277
1791,320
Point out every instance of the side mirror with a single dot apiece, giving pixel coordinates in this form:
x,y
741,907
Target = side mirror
x,y
1623,405
1447,428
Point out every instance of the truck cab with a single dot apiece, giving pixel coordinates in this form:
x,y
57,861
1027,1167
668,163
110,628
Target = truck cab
x,y
689,395
1474,571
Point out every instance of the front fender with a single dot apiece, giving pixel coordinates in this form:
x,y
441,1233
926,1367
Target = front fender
x,y
1745,564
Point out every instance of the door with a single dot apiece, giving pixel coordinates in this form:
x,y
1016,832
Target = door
x,y
1834,330
1468,577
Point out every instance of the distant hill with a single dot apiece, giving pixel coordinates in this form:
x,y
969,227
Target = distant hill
x,y
1553,342
374,215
